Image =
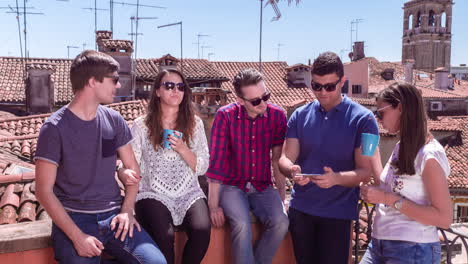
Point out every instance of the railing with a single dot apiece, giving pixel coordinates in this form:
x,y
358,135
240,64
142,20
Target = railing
x,y
451,241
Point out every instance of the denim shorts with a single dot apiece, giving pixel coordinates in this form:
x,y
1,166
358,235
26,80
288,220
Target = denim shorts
x,y
399,252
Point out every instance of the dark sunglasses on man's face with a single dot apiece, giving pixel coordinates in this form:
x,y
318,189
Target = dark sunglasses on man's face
x,y
115,78
257,101
329,87
379,113
171,85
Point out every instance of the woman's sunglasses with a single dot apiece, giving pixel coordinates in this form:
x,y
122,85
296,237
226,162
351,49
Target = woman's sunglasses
x,y
379,112
171,85
329,87
257,101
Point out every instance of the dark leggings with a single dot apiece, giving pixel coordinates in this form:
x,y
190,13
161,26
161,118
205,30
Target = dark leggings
x,y
156,219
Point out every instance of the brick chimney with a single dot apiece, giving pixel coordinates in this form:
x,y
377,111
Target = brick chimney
x,y
39,87
167,62
299,75
121,51
358,50
409,65
441,79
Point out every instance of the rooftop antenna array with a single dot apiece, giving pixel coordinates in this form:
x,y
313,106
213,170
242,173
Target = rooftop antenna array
x,y
354,22
112,3
210,54
203,49
95,9
22,11
199,35
279,48
135,18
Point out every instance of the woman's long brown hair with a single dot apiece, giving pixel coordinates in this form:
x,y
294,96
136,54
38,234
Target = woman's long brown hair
x,y
185,121
413,123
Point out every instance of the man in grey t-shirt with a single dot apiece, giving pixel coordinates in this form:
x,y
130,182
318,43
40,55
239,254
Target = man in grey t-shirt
x,y
75,167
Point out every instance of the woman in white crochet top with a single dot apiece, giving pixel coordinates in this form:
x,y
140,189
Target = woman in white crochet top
x,y
412,197
169,193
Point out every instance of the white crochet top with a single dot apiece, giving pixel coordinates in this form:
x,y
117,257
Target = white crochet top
x,y
166,177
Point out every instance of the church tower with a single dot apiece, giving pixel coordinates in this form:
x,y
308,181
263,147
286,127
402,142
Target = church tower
x,y
427,33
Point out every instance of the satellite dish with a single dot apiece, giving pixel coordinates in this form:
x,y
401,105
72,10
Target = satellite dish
x,y
350,55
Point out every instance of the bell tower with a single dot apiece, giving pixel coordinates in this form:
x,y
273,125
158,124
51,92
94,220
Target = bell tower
x,y
427,33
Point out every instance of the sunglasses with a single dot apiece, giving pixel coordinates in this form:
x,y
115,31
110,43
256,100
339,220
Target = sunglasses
x,y
115,78
329,87
379,114
257,101
171,85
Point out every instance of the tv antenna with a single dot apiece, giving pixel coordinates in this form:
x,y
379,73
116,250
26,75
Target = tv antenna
x,y
198,42
95,9
203,47
22,11
278,48
354,22
137,18
209,55
138,5
68,50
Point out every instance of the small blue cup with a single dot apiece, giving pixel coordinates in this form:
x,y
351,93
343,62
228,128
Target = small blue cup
x,y
167,132
369,143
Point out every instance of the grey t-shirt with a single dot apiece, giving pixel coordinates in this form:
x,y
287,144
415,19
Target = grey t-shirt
x,y
85,153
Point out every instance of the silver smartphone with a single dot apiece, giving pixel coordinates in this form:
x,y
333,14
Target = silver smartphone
x,y
308,174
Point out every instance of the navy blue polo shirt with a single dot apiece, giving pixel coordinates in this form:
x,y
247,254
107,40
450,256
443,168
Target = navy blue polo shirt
x,y
328,139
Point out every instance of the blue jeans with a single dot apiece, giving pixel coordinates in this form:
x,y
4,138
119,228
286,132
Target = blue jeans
x,y
268,208
401,252
138,249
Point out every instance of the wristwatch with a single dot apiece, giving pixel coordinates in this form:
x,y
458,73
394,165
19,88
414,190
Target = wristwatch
x,y
398,204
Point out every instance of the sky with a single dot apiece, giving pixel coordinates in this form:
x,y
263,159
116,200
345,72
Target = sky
x,y
303,31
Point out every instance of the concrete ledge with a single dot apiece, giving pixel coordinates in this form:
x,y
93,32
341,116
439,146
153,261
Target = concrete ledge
x,y
28,243
25,236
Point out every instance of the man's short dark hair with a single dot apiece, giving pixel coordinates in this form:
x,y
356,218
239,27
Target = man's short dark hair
x,y
88,64
244,78
328,63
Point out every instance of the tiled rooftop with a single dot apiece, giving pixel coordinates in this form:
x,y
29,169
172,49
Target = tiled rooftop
x,y
12,75
422,80
275,81
12,78
457,152
117,44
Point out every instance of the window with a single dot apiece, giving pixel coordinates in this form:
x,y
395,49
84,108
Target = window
x,y
432,21
345,88
418,20
357,89
462,213
443,20
147,87
410,21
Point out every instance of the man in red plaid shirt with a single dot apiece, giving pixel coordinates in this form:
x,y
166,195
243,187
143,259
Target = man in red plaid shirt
x,y
242,137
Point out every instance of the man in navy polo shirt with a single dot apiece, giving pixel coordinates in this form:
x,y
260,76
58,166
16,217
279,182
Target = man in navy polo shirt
x,y
324,138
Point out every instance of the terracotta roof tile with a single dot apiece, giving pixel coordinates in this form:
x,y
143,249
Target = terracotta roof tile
x,y
194,69
117,44
425,84
275,80
457,153
12,78
12,89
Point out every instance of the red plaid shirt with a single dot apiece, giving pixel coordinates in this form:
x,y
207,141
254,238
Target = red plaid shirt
x,y
240,146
